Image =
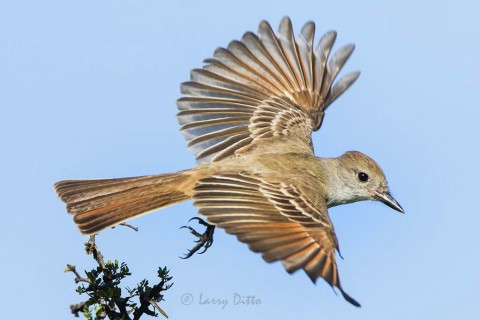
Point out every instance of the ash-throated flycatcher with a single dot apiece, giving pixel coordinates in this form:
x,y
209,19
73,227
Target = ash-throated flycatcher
x,y
248,116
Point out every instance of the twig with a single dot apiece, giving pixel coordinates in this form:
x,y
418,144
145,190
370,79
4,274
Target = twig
x,y
92,249
78,278
128,225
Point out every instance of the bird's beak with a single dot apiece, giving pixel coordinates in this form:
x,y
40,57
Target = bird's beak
x,y
389,201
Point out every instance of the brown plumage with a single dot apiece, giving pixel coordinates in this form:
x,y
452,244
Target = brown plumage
x,y
248,116
99,204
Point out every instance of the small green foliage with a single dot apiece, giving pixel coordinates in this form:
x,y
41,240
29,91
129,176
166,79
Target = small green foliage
x,y
102,286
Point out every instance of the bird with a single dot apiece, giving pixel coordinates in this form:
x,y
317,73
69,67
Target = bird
x,y
248,115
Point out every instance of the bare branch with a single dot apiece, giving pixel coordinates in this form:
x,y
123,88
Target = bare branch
x,y
71,268
127,225
91,248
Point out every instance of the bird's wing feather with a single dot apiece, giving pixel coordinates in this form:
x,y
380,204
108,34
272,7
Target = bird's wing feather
x,y
274,219
263,86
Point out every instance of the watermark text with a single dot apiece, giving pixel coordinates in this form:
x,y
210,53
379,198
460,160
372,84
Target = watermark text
x,y
235,299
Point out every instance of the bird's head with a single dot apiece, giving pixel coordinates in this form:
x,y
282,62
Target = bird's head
x,y
363,179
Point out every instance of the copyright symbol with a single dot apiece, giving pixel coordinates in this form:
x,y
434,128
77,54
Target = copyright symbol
x,y
186,299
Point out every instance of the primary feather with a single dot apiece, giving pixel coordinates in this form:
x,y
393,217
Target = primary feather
x,y
262,86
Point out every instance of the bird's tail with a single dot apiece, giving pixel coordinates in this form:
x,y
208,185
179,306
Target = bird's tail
x,y
99,204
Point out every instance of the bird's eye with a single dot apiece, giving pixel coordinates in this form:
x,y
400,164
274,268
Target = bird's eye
x,y
362,176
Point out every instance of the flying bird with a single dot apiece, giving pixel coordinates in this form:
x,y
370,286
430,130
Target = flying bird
x,y
248,115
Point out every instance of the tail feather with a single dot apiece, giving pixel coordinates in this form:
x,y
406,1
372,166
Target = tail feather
x,y
99,204
78,190
115,195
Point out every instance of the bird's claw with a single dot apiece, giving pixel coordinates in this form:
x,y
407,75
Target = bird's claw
x,y
204,240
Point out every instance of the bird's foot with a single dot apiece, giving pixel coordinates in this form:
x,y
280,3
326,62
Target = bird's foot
x,y
204,240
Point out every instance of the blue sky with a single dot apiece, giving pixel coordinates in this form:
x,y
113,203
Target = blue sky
x,y
88,90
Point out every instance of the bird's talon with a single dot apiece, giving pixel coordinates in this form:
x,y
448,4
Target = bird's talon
x,y
204,240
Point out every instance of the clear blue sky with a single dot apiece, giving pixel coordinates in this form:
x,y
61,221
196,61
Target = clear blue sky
x,y
88,90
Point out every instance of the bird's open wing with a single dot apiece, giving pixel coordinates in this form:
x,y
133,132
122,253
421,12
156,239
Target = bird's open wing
x,y
263,86
275,219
